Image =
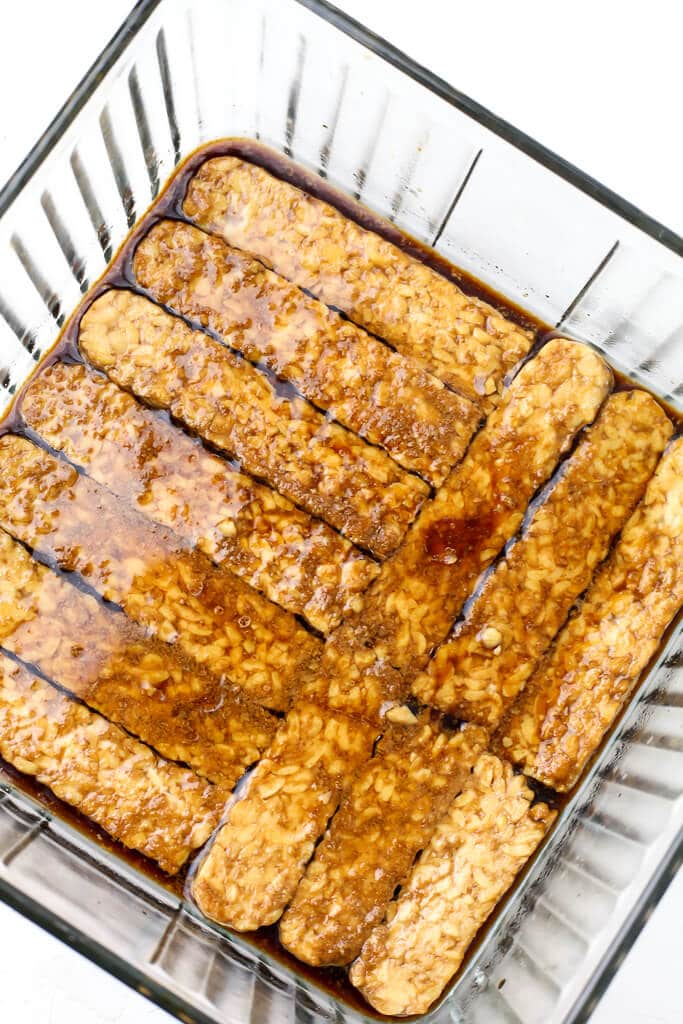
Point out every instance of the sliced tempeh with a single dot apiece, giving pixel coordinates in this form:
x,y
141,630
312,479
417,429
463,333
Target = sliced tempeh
x,y
385,397
298,561
386,818
257,858
462,340
149,805
420,591
474,855
524,602
569,703
316,463
215,617
142,684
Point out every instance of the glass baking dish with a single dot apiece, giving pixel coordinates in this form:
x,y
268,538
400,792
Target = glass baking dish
x,y
305,79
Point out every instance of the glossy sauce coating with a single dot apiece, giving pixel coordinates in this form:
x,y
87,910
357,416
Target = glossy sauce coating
x,y
252,869
296,560
386,818
158,808
564,711
373,656
521,606
460,339
380,395
442,544
146,686
478,848
314,462
177,594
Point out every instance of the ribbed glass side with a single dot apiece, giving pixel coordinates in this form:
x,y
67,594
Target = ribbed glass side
x,y
272,69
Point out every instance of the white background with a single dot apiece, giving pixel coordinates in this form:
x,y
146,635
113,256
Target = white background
x,y
598,82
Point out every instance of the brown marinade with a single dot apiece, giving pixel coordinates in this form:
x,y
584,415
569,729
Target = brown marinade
x,y
141,684
460,339
411,606
323,475
566,707
327,470
213,616
381,395
478,673
295,559
148,804
386,818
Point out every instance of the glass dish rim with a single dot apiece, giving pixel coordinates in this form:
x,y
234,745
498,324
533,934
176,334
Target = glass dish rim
x,y
381,47
627,211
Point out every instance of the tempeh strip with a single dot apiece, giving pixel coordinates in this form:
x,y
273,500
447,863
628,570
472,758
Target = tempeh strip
x,y
477,674
137,682
177,594
319,465
473,858
381,395
386,818
145,803
299,562
567,706
461,339
420,591
257,858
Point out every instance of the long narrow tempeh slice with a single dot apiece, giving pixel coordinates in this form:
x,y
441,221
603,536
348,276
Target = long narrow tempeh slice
x,y
412,605
257,858
139,683
215,617
298,561
473,858
322,467
146,803
461,339
524,602
569,703
387,817
381,395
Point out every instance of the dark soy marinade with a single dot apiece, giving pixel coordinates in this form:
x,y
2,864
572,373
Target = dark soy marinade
x,y
450,541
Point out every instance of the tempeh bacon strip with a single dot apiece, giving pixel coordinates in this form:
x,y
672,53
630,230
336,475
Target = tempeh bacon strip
x,y
461,339
472,859
315,463
139,683
177,594
298,561
567,706
149,805
385,397
477,674
257,858
420,591
386,818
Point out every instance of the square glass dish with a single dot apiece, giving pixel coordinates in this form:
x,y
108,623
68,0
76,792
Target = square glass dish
x,y
308,81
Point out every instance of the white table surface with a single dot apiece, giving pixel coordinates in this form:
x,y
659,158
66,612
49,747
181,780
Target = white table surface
x,y
597,82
